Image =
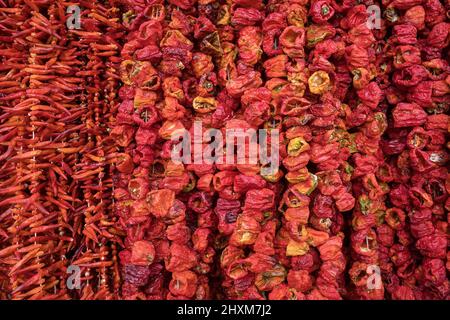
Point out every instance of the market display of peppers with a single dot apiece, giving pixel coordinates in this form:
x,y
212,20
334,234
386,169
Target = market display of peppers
x,y
93,205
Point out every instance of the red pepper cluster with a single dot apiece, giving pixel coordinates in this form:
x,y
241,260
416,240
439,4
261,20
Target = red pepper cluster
x,y
57,100
359,93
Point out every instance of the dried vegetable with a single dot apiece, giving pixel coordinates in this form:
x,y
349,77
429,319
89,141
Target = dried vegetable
x,y
357,94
